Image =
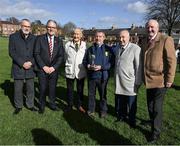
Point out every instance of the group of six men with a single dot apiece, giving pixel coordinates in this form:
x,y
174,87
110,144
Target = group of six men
x,y
155,64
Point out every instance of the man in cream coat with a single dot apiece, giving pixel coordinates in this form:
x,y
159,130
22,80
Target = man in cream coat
x,y
127,78
74,69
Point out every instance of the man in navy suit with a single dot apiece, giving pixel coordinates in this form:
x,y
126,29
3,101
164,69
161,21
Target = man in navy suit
x,y
48,55
21,45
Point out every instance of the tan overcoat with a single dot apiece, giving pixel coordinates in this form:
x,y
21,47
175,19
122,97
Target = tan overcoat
x,y
159,61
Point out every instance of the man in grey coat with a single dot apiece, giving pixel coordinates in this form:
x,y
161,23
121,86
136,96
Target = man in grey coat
x,y
127,78
21,45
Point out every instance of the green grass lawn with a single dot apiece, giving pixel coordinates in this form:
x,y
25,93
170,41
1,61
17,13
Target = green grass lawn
x,y
74,127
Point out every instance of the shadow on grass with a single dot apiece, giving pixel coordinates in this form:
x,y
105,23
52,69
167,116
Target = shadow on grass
x,y
62,95
8,88
175,87
144,123
84,124
43,137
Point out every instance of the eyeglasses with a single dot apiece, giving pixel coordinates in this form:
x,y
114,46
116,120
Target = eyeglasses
x,y
26,26
51,27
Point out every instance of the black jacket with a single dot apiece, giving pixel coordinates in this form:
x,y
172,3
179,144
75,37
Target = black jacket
x,y
21,50
41,53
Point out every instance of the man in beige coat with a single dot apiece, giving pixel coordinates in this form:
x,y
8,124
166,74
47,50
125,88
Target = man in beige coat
x,y
159,73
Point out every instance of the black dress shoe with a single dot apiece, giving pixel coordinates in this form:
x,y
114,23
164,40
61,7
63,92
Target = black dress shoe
x,y
146,122
120,120
132,125
153,138
41,111
54,108
68,109
17,110
33,109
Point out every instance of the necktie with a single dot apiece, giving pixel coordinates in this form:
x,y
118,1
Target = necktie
x,y
150,43
50,47
76,46
122,50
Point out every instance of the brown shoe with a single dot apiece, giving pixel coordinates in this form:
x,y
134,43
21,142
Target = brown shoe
x,y
82,110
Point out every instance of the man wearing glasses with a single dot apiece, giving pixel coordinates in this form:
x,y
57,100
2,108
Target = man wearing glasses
x,y
21,45
48,55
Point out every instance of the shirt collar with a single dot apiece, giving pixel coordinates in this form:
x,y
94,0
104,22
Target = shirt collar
x,y
79,42
125,46
51,36
152,38
98,45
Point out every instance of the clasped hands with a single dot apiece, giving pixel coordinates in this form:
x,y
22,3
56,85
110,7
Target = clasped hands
x,y
27,65
48,70
94,67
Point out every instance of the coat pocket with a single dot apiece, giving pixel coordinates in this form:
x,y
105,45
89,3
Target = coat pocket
x,y
68,69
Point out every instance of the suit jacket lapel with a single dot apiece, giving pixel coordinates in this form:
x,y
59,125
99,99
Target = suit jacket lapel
x,y
46,46
156,39
55,48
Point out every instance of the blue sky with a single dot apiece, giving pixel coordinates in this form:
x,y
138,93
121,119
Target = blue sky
x,y
84,13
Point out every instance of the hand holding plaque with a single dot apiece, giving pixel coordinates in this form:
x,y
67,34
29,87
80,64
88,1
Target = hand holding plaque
x,y
93,57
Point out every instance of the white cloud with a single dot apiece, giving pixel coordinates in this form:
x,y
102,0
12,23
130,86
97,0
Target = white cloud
x,y
138,7
109,21
22,9
111,1
92,13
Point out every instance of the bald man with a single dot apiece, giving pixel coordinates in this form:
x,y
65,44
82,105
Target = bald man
x,y
159,73
21,46
74,69
128,73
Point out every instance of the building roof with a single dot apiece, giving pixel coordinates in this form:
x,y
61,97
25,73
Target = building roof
x,y
7,22
139,30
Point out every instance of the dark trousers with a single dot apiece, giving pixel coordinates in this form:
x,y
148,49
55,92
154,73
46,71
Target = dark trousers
x,y
70,89
47,82
18,92
101,85
126,106
155,99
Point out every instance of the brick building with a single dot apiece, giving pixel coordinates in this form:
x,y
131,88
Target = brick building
x,y
137,34
7,28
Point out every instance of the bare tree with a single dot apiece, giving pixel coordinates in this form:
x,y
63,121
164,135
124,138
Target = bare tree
x,y
167,12
59,26
68,28
13,20
38,22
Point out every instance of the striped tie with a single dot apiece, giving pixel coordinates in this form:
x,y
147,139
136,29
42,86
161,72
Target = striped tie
x,y
50,47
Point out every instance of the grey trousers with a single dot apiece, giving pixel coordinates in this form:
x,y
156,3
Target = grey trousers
x,y
18,92
155,98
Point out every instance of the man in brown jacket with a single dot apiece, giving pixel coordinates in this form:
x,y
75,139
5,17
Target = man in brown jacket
x,y
159,72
